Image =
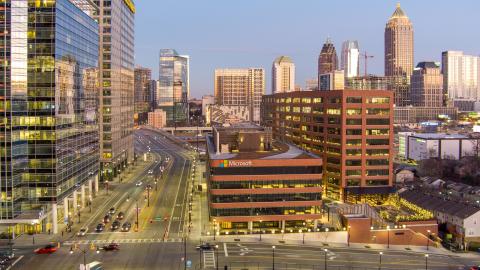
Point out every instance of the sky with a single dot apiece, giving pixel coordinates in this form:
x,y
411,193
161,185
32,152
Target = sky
x,y
252,33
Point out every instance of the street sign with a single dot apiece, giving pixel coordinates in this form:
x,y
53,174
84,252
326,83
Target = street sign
x,y
189,264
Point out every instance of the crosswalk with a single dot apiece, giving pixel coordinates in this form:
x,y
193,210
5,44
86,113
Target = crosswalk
x,y
208,259
124,241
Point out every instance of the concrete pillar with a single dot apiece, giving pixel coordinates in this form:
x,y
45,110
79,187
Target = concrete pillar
x,y
250,226
75,203
90,189
283,225
54,219
96,184
65,210
82,195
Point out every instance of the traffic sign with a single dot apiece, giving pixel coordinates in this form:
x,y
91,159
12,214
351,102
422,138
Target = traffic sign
x,y
189,264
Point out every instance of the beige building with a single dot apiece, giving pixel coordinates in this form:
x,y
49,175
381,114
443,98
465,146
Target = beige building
x,y
241,87
116,99
283,75
334,80
157,118
426,85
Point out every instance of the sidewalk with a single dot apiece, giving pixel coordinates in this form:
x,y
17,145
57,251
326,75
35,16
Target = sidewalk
x,y
86,213
199,204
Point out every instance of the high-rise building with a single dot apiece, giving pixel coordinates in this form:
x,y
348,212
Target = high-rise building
x,y
241,87
143,76
351,130
173,89
426,85
327,60
350,58
283,75
399,45
334,80
153,94
116,63
49,112
461,75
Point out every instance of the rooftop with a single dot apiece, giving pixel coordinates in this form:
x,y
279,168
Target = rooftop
x,y
438,204
398,13
283,59
427,136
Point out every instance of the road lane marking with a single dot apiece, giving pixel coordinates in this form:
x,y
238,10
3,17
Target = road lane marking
x,y
176,195
225,249
15,262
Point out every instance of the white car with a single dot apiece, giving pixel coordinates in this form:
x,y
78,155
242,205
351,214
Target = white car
x,y
82,232
150,171
139,183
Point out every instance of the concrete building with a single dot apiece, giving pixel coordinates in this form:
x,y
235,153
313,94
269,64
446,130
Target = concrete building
x,y
350,59
173,91
352,130
412,115
157,118
283,75
116,64
142,79
461,74
334,80
426,85
419,146
370,82
223,114
49,158
207,100
256,183
399,55
327,60
241,87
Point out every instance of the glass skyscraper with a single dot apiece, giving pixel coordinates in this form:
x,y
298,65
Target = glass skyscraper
x,y
174,86
48,101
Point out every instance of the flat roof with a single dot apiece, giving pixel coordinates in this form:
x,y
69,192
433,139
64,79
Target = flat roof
x,y
439,136
280,151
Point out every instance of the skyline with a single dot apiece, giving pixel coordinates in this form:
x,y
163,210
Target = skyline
x,y
239,47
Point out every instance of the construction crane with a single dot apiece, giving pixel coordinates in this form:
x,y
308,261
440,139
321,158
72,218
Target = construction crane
x,y
366,56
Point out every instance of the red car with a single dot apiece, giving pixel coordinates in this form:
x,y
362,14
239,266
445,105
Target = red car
x,y
48,249
111,247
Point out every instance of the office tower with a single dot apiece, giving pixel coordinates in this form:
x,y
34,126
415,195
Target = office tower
x,y
283,75
153,94
327,60
116,62
241,87
350,58
399,45
49,104
461,75
143,77
334,80
426,85
174,86
157,118
351,130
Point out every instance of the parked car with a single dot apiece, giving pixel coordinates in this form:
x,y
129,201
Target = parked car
x,y
48,249
120,215
111,247
126,226
115,225
205,246
139,183
82,232
106,219
111,211
100,227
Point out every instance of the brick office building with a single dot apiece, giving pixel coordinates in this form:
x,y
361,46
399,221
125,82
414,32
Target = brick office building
x,y
352,130
259,184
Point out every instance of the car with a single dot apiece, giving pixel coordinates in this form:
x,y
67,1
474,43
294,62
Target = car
x,y
100,227
126,226
150,171
106,218
48,249
111,211
120,215
475,268
115,225
139,183
148,187
111,247
82,232
205,246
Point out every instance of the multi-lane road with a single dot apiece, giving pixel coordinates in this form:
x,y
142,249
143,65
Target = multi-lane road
x,y
158,243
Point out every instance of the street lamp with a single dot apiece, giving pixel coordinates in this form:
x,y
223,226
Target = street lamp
x,y
214,229
388,236
325,259
380,260
106,186
303,235
348,235
136,223
260,230
155,184
216,249
84,251
273,257
326,235
428,239
426,261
